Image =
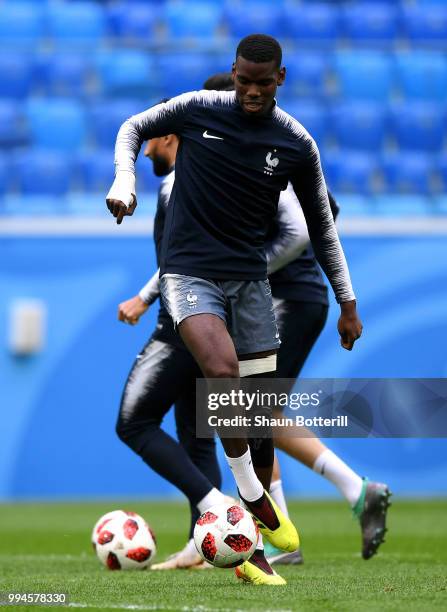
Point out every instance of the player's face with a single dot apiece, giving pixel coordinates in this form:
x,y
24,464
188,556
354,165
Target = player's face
x,y
156,150
256,84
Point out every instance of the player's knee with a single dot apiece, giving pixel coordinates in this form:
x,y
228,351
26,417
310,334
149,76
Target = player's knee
x,y
221,368
200,450
123,431
128,430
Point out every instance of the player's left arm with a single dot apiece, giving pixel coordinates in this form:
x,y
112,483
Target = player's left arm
x,y
310,188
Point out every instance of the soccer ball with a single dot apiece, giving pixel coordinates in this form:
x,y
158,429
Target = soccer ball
x,y
123,540
226,535
102,521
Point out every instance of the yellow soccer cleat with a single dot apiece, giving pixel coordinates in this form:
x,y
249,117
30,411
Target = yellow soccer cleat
x,y
277,528
258,571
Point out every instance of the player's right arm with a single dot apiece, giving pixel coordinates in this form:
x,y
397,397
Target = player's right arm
x,y
131,310
160,120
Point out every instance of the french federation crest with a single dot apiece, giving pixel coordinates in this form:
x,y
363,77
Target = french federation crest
x,y
272,163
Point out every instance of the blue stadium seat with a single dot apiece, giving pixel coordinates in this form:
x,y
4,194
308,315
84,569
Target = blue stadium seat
x,y
16,72
65,74
21,24
441,167
43,172
419,126
87,204
134,21
179,73
359,125
221,62
392,205
352,205
370,22
12,133
426,25
126,72
56,124
440,204
76,23
192,19
313,117
422,75
307,73
350,172
5,173
364,75
96,170
251,16
312,23
34,205
105,118
410,173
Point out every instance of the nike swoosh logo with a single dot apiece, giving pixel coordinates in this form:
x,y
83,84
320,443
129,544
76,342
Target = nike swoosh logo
x,y
206,135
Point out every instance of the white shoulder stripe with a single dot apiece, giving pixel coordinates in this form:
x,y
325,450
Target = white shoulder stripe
x,y
291,123
160,120
202,96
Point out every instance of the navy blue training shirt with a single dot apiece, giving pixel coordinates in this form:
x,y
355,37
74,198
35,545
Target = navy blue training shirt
x,y
300,280
230,169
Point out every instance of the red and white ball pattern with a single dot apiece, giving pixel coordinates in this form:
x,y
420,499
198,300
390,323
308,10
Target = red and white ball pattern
x,y
226,535
123,540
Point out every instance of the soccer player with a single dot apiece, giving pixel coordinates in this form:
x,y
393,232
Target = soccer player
x,y
165,372
238,152
301,305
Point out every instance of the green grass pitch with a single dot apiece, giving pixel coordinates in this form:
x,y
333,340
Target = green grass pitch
x,y
46,548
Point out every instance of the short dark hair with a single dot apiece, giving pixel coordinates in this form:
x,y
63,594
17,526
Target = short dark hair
x,y
221,81
260,48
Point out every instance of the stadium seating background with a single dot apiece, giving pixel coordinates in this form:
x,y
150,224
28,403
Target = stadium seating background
x,y
368,80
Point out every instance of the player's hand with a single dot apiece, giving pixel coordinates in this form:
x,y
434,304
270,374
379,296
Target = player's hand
x,y
119,210
349,325
131,310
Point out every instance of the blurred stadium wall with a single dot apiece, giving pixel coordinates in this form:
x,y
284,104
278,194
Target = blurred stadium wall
x,y
367,79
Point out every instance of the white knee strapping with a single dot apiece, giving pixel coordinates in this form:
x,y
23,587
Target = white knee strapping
x,y
257,366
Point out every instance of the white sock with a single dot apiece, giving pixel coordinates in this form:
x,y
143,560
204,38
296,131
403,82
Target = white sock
x,y
334,469
212,498
190,547
277,493
249,485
